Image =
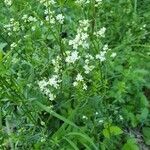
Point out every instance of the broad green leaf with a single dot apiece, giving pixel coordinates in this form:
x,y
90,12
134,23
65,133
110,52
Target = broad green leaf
x,y
115,130
111,131
106,133
130,145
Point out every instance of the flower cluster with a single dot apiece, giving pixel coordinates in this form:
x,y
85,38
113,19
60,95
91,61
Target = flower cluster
x,y
60,18
72,57
45,86
54,81
87,67
113,55
80,2
27,18
98,3
79,80
8,2
101,32
12,26
56,64
47,3
102,55
49,16
13,45
49,13
82,36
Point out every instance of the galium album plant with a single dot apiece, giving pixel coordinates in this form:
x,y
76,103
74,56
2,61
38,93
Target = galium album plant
x,y
74,74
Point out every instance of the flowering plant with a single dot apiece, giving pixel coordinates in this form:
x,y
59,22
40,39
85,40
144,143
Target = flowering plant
x,y
73,74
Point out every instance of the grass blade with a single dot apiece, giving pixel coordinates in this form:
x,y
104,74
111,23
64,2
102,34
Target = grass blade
x,y
86,137
47,109
71,143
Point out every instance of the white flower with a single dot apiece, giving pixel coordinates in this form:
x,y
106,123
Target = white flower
x,y
113,55
47,3
75,42
32,19
96,113
60,18
89,56
81,36
85,45
98,2
101,32
25,17
72,57
75,83
42,84
13,26
84,86
84,117
120,117
84,36
88,68
105,47
8,2
101,121
33,28
83,25
82,2
13,45
79,77
53,81
56,64
101,56
51,96
50,16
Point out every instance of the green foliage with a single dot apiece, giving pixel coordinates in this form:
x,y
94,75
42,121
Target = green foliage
x,y
111,131
146,134
130,145
74,74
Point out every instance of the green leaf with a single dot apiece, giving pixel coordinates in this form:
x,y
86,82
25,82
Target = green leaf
x,y
86,137
71,143
146,133
144,114
115,130
56,115
106,133
130,145
111,131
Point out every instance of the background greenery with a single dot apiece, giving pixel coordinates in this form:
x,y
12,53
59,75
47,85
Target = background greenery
x,y
117,102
